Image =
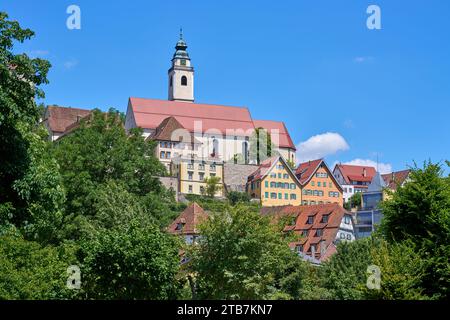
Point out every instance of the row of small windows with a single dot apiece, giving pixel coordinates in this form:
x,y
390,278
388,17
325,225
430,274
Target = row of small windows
x,y
281,185
201,175
313,203
321,184
280,175
201,167
274,195
165,144
322,175
320,193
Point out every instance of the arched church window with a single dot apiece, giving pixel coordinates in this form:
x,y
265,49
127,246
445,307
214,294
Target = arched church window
x,y
184,81
215,147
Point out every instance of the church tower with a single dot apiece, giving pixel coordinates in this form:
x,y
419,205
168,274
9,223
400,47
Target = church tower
x,y
181,74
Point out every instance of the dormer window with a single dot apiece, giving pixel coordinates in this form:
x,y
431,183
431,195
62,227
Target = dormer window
x,y
179,226
325,218
310,220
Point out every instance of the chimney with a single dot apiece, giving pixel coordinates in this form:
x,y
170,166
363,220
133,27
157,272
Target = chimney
x,y
364,172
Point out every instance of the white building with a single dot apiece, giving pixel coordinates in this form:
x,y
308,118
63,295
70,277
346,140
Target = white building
x,y
223,132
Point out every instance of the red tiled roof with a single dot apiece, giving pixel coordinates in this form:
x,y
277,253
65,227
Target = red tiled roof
x,y
149,113
395,179
301,214
60,118
274,128
306,170
189,219
356,173
265,167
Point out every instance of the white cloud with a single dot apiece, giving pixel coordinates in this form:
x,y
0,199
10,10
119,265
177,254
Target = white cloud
x,y
70,64
382,167
320,146
362,59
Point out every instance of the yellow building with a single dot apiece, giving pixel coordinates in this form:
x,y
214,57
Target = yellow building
x,y
274,183
192,172
319,186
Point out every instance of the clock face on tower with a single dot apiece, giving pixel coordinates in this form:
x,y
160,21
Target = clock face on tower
x,y
183,62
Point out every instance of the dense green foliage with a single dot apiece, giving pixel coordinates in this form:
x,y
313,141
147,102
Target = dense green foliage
x,y
354,201
235,197
419,213
93,199
31,271
242,255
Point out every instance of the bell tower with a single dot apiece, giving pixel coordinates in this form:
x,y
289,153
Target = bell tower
x,y
181,74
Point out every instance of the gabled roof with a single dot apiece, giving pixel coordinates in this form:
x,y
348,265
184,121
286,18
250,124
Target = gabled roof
x,y
300,216
377,184
59,118
149,113
274,128
395,179
306,170
266,166
189,220
165,130
356,173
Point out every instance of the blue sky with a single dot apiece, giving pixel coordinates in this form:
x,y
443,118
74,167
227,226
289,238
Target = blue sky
x,y
345,92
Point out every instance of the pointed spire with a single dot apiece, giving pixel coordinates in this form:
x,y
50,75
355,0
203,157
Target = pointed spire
x,y
181,33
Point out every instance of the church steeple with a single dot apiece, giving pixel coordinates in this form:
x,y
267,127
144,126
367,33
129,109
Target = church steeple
x,y
181,74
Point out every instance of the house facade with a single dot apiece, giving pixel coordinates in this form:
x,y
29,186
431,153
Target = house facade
x,y
319,228
192,172
274,183
319,186
353,178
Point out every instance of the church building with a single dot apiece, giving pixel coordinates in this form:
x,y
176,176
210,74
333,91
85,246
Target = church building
x,y
202,131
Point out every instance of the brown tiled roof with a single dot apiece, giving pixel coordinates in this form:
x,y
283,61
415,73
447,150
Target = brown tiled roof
x,y
60,118
301,214
395,179
167,127
189,220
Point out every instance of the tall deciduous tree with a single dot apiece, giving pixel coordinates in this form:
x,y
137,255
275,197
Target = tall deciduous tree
x,y
242,255
30,187
419,212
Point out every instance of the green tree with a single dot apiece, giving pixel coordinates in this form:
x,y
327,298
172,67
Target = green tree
x,y
401,272
31,271
261,146
242,255
212,186
419,212
132,262
354,201
31,194
100,153
344,274
235,197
